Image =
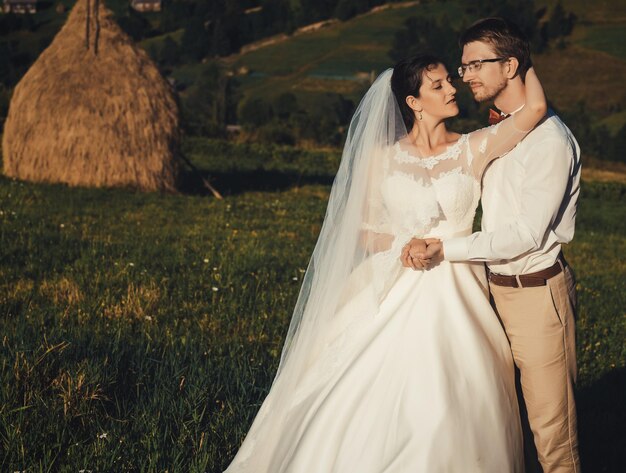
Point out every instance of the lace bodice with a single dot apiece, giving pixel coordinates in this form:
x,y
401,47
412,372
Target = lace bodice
x,y
425,196
421,196
440,196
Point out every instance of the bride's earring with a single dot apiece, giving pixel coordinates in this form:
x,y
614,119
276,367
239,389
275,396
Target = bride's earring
x,y
420,117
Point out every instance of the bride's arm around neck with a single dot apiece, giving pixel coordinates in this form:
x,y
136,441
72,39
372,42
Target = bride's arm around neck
x,y
536,104
492,142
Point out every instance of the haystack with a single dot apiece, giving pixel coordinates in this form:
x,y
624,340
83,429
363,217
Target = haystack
x,y
93,110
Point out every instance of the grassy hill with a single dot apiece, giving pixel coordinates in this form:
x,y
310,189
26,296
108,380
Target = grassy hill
x,y
335,58
342,57
598,11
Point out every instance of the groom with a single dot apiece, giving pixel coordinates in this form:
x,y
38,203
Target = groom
x,y
529,207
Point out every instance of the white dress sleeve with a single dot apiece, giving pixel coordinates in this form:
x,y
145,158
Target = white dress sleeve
x,y
487,144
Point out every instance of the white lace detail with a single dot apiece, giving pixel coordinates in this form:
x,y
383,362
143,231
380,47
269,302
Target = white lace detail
x,y
457,170
412,205
417,204
468,152
452,152
493,129
483,145
458,194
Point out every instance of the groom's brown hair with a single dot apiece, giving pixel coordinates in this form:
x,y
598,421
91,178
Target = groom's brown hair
x,y
504,36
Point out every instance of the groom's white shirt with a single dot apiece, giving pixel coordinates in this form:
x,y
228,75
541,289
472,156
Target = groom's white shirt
x,y
529,204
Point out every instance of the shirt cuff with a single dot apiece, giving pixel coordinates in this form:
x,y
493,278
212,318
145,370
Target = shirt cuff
x,y
456,249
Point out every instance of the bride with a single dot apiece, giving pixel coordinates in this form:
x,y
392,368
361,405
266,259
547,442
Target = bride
x,y
386,369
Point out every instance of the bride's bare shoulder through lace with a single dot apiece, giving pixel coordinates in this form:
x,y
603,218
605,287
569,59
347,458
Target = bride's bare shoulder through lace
x,y
405,154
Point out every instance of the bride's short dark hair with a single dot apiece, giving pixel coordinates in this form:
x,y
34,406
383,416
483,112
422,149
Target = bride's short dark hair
x,y
407,79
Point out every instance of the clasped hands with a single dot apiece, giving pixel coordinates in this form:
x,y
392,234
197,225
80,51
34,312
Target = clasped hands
x,y
422,253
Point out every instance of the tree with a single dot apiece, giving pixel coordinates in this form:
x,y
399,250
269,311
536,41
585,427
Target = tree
x,y
134,24
170,52
5,63
9,23
195,40
224,28
276,17
207,102
599,142
328,114
5,99
595,140
276,133
347,9
618,146
13,63
285,105
420,35
522,12
312,11
175,15
253,113
560,23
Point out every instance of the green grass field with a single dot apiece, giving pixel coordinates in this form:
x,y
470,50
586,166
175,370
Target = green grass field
x,y
609,38
140,332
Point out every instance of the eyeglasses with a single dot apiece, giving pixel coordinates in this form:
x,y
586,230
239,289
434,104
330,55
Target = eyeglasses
x,y
474,66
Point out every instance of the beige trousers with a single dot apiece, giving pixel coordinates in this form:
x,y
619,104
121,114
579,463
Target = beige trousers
x,y
540,325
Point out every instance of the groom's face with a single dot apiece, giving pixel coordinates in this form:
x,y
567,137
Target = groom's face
x,y
489,80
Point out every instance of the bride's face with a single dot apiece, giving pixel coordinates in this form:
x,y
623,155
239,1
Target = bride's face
x,y
437,94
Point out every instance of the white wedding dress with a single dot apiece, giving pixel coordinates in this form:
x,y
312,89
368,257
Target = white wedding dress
x,y
426,385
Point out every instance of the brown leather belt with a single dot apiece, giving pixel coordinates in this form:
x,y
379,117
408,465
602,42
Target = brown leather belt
x,y
539,278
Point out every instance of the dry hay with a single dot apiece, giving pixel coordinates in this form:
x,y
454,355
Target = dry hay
x,y
62,291
141,301
93,110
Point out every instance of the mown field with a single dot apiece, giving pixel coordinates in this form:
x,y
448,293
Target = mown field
x,y
140,332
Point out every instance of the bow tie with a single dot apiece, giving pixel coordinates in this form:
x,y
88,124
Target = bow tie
x,y
496,117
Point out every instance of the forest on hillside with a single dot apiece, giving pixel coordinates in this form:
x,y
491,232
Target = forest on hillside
x,y
210,28
203,37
